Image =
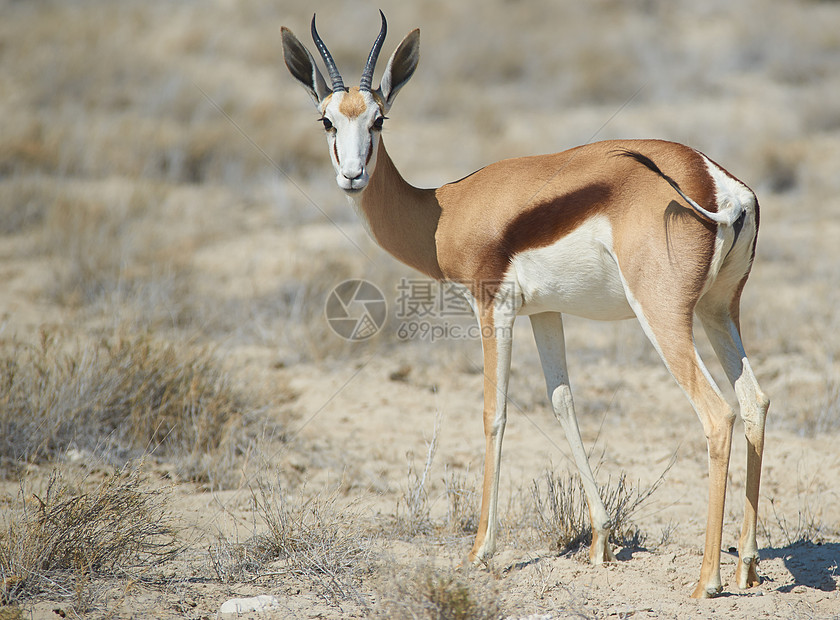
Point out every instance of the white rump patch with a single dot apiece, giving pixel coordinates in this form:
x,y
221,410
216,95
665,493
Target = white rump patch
x,y
729,192
731,257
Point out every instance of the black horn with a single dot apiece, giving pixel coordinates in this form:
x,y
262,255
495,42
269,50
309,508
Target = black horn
x,y
367,74
335,76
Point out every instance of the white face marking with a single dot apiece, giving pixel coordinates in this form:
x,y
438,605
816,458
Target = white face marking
x,y
352,139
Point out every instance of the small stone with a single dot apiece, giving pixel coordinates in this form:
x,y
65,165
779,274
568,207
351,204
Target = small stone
x,y
401,374
263,602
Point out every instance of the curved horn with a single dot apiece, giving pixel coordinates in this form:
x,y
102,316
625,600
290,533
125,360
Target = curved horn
x,y
367,74
335,76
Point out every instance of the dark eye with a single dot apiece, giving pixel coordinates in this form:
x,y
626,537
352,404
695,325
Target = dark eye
x,y
377,124
327,123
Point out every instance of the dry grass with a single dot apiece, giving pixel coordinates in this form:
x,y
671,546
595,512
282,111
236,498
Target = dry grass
x,y
821,414
413,515
290,315
235,561
24,202
312,539
429,593
561,517
799,518
57,541
462,503
119,399
807,527
109,254
316,540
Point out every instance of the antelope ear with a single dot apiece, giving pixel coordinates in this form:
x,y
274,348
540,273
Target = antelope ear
x,y
400,67
302,66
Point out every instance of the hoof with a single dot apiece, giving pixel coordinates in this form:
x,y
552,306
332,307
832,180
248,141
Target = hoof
x,y
474,560
710,591
604,556
745,574
600,551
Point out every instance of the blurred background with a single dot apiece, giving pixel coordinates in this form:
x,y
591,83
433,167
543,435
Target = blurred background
x,y
160,169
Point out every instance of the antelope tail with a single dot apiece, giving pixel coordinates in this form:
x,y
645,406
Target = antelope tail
x,y
726,217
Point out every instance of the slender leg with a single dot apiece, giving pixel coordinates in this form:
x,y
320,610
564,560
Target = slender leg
x,y
548,332
725,337
671,334
496,341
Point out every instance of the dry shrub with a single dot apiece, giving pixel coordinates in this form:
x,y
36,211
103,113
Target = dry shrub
x,y
118,399
779,167
290,315
462,503
24,201
234,561
560,511
413,516
114,249
315,539
414,511
53,543
438,594
11,612
807,527
561,514
310,539
821,415
28,148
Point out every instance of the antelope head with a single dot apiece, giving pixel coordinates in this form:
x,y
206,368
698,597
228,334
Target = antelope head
x,y
352,117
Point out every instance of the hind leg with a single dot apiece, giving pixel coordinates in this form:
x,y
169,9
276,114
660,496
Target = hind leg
x,y
724,334
669,328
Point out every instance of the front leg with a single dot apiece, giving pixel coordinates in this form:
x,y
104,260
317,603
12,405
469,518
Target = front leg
x,y
496,341
551,344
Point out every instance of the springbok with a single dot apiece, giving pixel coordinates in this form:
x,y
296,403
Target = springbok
x,y
609,230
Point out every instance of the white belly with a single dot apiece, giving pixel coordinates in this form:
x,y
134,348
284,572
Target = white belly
x,y
576,275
